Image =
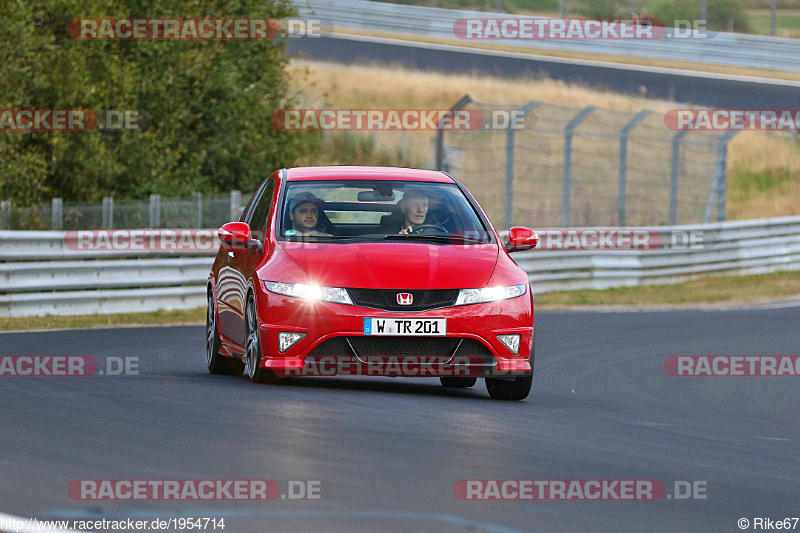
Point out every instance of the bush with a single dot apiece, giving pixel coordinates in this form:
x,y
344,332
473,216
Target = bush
x,y
719,13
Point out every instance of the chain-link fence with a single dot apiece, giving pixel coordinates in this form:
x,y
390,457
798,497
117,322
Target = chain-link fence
x,y
565,166
571,166
197,211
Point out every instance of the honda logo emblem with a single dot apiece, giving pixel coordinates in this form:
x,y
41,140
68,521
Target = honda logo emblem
x,y
405,298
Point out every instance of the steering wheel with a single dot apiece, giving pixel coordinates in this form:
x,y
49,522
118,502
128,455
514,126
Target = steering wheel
x,y
420,230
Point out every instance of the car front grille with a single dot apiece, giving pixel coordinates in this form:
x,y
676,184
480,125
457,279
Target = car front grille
x,y
386,299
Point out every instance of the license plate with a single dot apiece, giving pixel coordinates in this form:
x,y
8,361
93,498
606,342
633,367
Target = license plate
x,y
409,327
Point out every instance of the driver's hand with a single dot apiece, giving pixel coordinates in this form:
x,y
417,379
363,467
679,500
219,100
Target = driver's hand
x,y
407,230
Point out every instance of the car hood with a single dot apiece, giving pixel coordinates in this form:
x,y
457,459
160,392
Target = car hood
x,y
395,265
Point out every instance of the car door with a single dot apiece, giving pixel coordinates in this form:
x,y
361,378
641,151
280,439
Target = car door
x,y
243,262
231,283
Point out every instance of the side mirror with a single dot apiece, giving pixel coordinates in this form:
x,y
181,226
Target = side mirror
x,y
237,236
520,239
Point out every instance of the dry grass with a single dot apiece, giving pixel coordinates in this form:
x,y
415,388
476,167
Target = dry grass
x,y
764,169
763,176
377,87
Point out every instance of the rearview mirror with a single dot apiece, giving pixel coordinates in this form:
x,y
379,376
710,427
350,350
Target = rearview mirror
x,y
520,239
375,196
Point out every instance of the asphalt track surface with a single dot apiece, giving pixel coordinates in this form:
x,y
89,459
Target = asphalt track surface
x,y
728,92
389,451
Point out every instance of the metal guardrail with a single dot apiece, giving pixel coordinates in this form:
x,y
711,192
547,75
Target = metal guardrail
x,y
718,48
737,247
39,276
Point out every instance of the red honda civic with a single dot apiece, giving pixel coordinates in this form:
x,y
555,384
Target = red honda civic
x,y
370,271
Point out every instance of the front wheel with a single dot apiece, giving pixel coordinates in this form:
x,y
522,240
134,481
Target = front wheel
x,y
252,361
509,389
217,363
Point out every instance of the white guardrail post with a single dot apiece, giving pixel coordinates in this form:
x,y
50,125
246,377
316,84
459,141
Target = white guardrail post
x,y
40,274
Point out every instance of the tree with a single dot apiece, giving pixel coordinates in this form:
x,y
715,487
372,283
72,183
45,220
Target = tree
x,y
209,102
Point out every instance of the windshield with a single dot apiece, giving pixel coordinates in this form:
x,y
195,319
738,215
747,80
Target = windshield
x,y
379,210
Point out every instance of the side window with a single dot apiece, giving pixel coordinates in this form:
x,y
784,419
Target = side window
x,y
248,207
247,212
258,220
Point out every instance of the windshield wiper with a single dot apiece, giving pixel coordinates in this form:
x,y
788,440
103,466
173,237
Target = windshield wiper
x,y
453,239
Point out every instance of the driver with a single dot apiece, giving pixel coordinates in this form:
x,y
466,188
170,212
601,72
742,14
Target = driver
x,y
414,207
304,211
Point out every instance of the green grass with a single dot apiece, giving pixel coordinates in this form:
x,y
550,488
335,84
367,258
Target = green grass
x,y
155,318
710,289
788,22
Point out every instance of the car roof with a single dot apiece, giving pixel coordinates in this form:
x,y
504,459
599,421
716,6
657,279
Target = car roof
x,y
363,173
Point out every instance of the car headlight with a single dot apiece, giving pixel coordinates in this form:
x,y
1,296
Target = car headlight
x,y
310,292
489,294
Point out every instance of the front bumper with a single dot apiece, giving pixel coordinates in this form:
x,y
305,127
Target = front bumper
x,y
334,343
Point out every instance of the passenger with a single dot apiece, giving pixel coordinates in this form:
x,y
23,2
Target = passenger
x,y
304,209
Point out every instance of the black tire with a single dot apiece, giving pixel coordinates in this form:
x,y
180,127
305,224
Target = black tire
x,y
458,383
253,348
217,363
509,389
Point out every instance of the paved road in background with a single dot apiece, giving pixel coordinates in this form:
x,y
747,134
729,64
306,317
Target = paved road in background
x,y
680,86
389,451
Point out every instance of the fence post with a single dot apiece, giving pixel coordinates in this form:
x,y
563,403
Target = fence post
x,y
509,207
57,214
674,175
199,196
5,214
236,201
566,200
108,212
722,172
155,210
510,133
622,199
439,146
